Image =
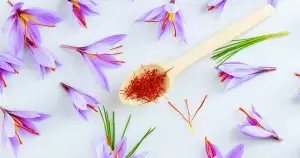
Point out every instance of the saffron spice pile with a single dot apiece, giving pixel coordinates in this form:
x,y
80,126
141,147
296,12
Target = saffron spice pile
x,y
147,86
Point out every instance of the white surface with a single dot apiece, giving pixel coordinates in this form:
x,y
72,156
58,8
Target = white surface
x,y
66,135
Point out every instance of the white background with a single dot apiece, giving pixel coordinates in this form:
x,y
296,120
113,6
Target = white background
x,y
67,135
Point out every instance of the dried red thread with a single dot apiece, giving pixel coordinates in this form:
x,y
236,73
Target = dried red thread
x,y
146,87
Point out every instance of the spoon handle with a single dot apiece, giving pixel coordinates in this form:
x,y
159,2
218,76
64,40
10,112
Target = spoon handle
x,y
219,39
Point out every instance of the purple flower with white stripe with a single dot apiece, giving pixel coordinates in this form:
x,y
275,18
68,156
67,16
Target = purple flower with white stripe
x,y
8,64
213,151
235,73
23,23
216,4
98,55
82,8
256,127
82,102
15,121
168,16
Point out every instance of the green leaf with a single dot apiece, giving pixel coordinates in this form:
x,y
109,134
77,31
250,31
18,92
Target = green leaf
x,y
224,53
113,131
140,142
126,126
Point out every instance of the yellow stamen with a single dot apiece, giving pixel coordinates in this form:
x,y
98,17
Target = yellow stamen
x,y
171,16
75,3
26,17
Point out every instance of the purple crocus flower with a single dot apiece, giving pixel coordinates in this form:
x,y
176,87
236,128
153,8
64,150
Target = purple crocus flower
x,y
82,8
235,73
216,4
15,121
168,16
98,55
24,23
45,61
82,102
213,151
103,150
273,2
256,127
8,64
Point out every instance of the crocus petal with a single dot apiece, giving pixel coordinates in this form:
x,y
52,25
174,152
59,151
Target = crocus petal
x,y
256,132
43,17
121,148
16,38
163,28
104,45
79,16
103,151
29,114
234,82
88,10
43,57
237,152
180,27
78,100
8,125
7,67
17,6
216,4
33,33
82,113
238,69
6,57
273,2
8,24
105,60
98,70
152,14
29,127
142,155
14,145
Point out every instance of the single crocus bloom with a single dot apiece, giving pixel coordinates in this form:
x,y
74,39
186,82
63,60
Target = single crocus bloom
x,y
24,23
82,8
103,150
216,4
8,64
82,102
16,121
235,73
256,127
168,16
98,55
45,61
213,151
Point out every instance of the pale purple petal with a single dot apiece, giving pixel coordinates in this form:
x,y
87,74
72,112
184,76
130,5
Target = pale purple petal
x,y
104,45
255,113
14,145
10,59
31,115
17,7
7,67
103,151
237,152
234,82
88,9
98,70
78,100
162,30
43,57
152,14
82,113
256,132
29,125
33,33
121,148
105,60
273,2
180,27
43,17
238,69
79,16
16,38
8,24
8,125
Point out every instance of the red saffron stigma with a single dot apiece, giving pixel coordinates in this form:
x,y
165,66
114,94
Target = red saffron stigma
x,y
211,8
147,86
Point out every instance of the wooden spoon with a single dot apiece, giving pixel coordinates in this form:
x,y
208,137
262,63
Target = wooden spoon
x,y
216,41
